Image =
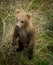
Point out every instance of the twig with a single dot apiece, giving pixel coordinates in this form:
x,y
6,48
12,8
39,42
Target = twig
x,y
29,5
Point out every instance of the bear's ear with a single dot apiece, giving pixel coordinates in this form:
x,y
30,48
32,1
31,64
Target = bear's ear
x,y
17,11
28,15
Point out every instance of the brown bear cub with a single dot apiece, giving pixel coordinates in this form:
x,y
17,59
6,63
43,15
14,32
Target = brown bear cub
x,y
25,33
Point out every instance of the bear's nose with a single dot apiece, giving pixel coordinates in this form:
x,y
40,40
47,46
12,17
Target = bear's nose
x,y
17,26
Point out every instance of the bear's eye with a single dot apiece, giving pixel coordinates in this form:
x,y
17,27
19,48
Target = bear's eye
x,y
21,21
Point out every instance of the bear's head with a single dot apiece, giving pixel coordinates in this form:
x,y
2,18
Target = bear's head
x,y
22,19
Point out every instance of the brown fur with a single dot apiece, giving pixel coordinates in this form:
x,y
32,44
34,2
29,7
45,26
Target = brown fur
x,y
25,34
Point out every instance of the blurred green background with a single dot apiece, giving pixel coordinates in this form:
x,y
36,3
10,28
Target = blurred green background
x,y
42,19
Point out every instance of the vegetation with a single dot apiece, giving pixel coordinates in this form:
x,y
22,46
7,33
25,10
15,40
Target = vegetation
x,y
42,17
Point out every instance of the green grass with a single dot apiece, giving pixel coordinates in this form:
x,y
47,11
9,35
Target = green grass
x,y
42,17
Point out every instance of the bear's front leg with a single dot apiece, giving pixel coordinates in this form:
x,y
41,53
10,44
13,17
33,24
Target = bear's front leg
x,y
20,46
